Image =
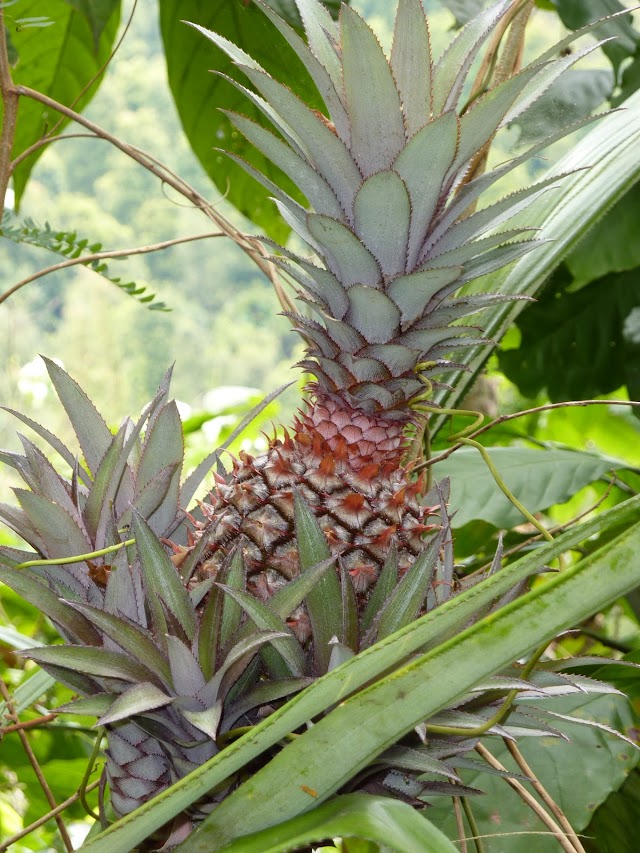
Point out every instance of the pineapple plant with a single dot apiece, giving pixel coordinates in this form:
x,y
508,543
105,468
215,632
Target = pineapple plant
x,y
179,624
388,173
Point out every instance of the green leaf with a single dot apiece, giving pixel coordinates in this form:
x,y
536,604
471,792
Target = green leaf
x,y
60,532
430,629
613,246
131,639
411,64
383,198
199,94
624,37
463,10
136,700
79,44
377,819
288,648
573,96
91,661
540,477
614,822
163,446
324,601
582,331
368,80
161,578
278,790
88,424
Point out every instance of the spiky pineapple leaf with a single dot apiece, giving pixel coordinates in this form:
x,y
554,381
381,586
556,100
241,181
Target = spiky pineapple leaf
x,y
88,660
88,424
441,623
404,603
138,699
379,820
611,151
383,198
61,533
189,62
289,657
130,637
368,80
161,579
324,601
411,63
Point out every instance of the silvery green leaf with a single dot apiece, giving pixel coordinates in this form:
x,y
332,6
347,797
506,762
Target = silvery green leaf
x,y
411,63
262,694
345,255
405,758
412,293
435,144
91,706
92,432
161,578
61,534
381,200
186,674
132,639
88,660
322,35
138,699
368,80
372,313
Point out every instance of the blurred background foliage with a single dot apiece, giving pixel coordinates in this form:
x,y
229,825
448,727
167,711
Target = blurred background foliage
x,y
231,347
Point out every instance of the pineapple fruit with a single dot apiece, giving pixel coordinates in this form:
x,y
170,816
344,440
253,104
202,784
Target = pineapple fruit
x,y
326,543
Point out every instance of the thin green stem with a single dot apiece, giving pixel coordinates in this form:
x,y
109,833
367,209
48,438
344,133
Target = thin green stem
x,y
473,826
78,558
502,711
82,790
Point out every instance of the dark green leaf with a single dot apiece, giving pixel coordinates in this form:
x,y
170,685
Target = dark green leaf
x,y
572,343
91,661
324,601
612,246
161,578
614,825
98,13
69,44
463,10
199,95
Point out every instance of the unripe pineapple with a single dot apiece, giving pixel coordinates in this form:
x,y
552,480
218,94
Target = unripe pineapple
x,y
384,173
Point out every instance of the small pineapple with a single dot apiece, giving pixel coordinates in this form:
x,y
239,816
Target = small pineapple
x,y
385,173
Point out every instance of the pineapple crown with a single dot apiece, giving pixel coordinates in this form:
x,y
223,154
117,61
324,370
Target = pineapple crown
x,y
388,175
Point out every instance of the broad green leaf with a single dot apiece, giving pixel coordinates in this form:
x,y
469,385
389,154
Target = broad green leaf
x,y
377,819
615,819
199,95
77,42
540,478
278,790
612,153
581,330
579,774
430,629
